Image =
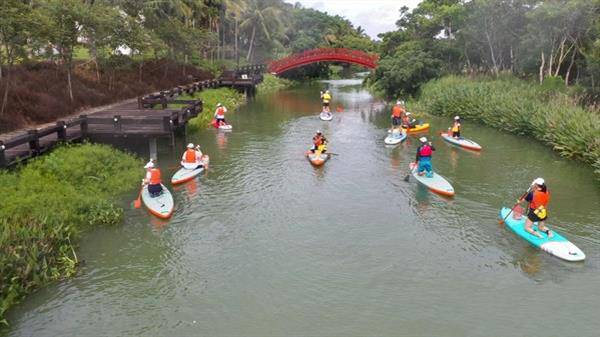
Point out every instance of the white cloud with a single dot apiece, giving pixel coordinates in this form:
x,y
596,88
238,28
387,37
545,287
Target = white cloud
x,y
374,16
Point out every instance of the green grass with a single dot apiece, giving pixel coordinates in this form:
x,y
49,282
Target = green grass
x,y
271,84
230,98
48,203
519,107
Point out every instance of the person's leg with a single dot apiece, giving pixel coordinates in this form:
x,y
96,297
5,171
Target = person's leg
x,y
529,224
542,228
428,169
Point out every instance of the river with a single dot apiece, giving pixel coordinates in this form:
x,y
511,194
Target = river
x,y
264,244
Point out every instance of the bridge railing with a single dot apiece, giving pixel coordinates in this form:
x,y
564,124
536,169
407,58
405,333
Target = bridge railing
x,y
324,54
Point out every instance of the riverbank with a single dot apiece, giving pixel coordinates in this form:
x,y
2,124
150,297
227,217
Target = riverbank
x,y
47,204
518,107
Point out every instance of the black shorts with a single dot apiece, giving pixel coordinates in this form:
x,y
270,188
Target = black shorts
x,y
533,217
396,121
154,190
325,104
456,134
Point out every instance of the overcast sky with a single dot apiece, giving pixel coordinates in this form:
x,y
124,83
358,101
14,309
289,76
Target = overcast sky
x,y
374,16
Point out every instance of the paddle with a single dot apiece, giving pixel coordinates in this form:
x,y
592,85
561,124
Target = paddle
x,y
408,175
138,202
515,205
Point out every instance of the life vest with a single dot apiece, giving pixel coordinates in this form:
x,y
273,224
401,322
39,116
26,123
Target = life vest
x,y
456,127
220,112
326,98
154,176
538,204
397,111
317,140
190,156
425,151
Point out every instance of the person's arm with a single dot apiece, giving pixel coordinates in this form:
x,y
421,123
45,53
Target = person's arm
x,y
527,198
183,156
147,179
432,147
418,154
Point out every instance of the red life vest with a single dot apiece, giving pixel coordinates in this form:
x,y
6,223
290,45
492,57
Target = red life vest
x,y
425,151
190,156
155,176
220,111
317,140
539,199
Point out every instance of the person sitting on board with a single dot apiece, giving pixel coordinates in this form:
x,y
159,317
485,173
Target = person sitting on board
x,y
220,115
319,143
455,129
152,179
538,198
192,157
326,98
408,121
397,114
424,153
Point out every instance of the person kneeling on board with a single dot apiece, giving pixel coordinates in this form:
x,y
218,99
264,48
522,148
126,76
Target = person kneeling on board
x,y
397,114
408,121
152,179
319,143
192,157
455,129
220,115
424,153
538,198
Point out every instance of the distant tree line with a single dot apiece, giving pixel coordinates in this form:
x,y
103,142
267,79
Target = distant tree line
x,y
528,38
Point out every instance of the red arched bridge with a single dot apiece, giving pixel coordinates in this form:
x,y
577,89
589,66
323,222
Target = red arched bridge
x,y
323,55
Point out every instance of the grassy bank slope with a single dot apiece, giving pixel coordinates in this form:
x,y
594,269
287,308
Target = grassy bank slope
x,y
46,204
518,107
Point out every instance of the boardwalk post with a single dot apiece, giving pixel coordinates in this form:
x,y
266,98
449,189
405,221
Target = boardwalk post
x,y
117,123
153,149
84,126
2,155
34,141
61,133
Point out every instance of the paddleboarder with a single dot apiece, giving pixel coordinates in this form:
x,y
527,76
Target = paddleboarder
x,y
397,114
152,179
455,129
319,143
192,157
220,115
424,153
326,98
538,198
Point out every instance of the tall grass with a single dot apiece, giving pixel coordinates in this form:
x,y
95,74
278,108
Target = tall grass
x,y
230,98
271,84
518,107
46,204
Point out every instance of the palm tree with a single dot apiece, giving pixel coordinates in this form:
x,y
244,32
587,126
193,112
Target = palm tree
x,y
265,17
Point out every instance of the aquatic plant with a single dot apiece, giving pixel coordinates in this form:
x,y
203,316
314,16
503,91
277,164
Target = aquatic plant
x,y
48,203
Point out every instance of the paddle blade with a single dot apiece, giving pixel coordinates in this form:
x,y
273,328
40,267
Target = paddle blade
x,y
137,203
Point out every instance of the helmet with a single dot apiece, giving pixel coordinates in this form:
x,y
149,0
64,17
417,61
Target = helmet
x,y
219,104
149,164
326,91
456,118
539,182
423,139
190,146
318,132
408,113
398,102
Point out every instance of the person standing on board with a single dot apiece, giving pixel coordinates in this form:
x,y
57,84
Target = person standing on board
x,y
455,129
220,115
424,153
326,98
192,157
152,179
397,114
538,198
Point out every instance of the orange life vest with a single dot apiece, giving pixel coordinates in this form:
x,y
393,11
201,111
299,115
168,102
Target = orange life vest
x,y
317,140
190,156
539,199
220,111
155,176
397,111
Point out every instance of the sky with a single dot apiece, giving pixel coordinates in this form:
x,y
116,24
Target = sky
x,y
374,16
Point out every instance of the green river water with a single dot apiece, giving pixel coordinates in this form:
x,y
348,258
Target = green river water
x,y
264,244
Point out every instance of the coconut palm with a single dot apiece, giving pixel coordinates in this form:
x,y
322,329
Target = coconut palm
x,y
262,20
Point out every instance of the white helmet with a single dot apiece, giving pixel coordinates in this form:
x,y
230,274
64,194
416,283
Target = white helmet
x,y
190,146
399,102
408,113
423,139
149,164
539,182
219,104
456,118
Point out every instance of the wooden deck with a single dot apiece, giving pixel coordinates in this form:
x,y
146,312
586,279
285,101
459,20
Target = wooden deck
x,y
141,118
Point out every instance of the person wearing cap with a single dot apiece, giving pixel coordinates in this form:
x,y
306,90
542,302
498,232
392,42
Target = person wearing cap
x,y
408,121
326,98
397,114
538,198
424,153
152,179
192,157
319,143
455,129
220,114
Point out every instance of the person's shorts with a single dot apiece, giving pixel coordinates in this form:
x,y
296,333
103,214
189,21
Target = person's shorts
x,y
456,134
325,103
533,217
396,121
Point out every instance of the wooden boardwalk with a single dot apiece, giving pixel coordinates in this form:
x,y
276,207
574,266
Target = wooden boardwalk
x,y
147,117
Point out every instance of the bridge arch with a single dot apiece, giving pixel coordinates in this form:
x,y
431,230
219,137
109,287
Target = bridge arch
x,y
323,55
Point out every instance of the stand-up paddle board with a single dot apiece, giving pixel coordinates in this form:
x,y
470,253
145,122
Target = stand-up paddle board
x,y
436,183
162,205
326,116
462,142
395,137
